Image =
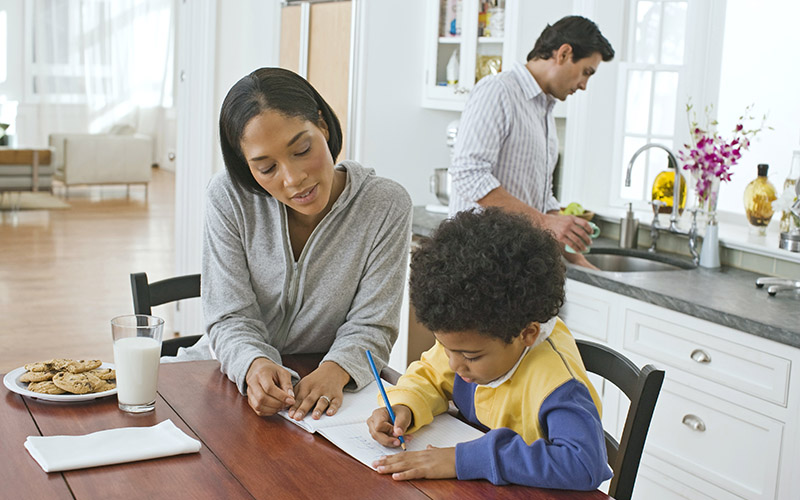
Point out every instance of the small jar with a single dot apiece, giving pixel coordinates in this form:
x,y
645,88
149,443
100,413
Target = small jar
x,y
758,198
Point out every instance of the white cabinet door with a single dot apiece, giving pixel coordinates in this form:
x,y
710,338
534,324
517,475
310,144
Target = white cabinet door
x,y
473,48
726,423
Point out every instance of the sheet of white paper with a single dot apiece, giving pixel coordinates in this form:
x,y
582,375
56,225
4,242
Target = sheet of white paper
x,y
348,428
445,431
356,408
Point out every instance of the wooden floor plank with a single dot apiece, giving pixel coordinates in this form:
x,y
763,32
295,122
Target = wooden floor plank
x,y
65,273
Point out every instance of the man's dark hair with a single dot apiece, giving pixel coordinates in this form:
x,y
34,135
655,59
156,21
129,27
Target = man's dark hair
x,y
269,89
580,33
491,272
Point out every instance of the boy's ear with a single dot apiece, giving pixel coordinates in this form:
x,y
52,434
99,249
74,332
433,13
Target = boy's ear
x,y
530,333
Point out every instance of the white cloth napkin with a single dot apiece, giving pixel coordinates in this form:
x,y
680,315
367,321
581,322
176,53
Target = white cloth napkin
x,y
112,446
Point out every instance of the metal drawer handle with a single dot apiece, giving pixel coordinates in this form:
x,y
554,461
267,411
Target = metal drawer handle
x,y
700,356
694,422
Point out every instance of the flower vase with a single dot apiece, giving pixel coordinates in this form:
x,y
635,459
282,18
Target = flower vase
x,y
709,254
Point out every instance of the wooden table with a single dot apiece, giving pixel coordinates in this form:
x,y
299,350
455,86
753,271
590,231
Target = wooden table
x,y
26,156
243,455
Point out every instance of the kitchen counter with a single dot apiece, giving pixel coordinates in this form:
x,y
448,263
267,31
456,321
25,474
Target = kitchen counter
x,y
726,296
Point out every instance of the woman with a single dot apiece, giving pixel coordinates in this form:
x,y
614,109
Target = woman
x,y
300,255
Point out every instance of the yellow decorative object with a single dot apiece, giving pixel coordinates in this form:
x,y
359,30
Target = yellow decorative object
x,y
758,198
663,190
488,65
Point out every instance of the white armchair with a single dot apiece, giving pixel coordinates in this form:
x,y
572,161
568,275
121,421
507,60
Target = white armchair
x,y
102,159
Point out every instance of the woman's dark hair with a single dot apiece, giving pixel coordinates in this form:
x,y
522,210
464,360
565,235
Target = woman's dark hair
x,y
269,89
491,272
580,33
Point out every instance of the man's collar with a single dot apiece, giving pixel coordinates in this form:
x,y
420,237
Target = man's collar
x,y
530,87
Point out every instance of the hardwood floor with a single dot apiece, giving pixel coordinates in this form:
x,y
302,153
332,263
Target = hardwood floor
x,y
65,273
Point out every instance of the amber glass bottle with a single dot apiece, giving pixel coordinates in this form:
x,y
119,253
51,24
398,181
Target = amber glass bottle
x,y
758,198
663,190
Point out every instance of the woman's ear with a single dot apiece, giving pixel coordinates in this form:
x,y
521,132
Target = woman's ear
x,y
323,126
531,333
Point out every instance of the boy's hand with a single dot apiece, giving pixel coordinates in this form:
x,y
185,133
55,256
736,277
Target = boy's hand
x,y
433,463
381,429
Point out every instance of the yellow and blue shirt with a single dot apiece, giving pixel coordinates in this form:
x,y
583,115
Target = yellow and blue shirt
x,y
542,421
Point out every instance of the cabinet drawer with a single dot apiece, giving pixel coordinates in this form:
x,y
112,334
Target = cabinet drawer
x,y
729,446
585,315
699,348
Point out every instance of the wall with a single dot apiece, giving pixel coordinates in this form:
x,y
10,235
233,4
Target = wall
x,y
396,136
248,34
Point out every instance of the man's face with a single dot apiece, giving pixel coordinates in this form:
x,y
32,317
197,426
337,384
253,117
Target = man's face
x,y
570,76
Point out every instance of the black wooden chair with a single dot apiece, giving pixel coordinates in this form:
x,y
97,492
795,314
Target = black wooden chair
x,y
148,295
642,388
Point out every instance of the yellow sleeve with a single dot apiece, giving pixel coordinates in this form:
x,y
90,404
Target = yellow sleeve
x,y
426,387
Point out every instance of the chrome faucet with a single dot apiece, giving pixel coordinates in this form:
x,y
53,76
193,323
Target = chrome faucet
x,y
676,192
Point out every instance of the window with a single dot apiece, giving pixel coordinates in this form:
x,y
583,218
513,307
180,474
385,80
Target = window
x,y
650,75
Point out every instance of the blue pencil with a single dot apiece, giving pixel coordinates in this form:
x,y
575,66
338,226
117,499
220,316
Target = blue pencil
x,y
383,393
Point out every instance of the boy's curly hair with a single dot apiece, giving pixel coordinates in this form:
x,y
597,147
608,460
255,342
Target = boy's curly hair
x,y
492,272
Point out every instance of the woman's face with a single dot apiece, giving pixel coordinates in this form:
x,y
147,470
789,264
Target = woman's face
x,y
290,159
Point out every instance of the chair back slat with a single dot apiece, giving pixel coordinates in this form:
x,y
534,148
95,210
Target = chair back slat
x,y
148,295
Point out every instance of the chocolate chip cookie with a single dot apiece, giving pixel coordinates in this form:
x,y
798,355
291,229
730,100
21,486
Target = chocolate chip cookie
x,y
45,387
82,365
37,376
77,383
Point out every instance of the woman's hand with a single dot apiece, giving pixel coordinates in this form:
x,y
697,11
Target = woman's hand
x,y
319,391
269,387
432,463
382,430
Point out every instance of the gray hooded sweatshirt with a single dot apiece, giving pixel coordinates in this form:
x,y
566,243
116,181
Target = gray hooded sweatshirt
x,y
341,297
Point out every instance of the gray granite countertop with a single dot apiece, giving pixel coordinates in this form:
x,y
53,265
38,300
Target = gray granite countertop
x,y
726,296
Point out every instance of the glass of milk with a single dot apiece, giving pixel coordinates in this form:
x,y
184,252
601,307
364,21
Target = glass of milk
x,y
137,350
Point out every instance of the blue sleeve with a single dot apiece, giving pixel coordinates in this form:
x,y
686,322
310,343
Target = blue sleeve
x,y
573,456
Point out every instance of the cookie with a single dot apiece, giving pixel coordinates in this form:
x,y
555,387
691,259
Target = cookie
x,y
36,376
45,387
77,383
58,364
82,365
105,385
104,373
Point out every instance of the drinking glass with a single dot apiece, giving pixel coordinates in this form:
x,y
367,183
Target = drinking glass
x,y
137,351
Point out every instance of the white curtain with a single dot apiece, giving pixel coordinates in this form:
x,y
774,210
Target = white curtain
x,y
100,64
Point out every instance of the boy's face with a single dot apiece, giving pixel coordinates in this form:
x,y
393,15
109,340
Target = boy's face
x,y
479,358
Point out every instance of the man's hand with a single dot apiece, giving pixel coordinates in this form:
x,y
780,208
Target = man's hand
x,y
432,463
320,391
382,430
569,230
269,387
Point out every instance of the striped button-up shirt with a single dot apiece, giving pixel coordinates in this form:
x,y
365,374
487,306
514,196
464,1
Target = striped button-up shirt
x,y
506,137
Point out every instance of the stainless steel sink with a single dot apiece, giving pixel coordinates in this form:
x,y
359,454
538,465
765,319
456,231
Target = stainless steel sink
x,y
625,261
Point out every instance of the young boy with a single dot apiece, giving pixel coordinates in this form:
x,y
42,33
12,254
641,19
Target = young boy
x,y
489,285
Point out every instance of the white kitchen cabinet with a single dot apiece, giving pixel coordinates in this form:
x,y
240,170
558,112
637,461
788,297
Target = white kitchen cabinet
x,y
469,46
726,423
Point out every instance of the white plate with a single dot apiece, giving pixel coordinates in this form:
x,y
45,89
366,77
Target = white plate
x,y
11,381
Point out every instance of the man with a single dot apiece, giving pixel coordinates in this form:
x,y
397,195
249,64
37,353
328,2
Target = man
x,y
507,145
